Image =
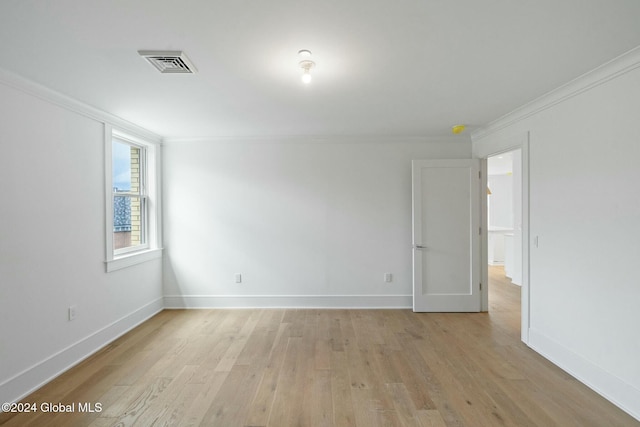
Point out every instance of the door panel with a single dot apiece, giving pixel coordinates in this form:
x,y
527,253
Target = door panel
x,y
446,221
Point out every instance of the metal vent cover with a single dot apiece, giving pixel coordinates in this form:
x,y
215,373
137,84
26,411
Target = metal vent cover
x,y
168,61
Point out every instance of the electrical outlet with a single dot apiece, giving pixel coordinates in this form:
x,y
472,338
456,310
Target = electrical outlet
x,y
388,277
72,312
238,277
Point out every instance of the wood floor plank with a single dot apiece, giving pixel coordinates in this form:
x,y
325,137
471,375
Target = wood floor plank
x,y
260,409
286,394
343,368
494,406
231,403
343,412
386,370
137,401
404,406
166,403
425,373
319,399
414,380
177,409
206,394
430,418
335,332
322,354
239,340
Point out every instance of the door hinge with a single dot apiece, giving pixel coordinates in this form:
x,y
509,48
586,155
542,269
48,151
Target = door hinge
x,y
480,230
480,174
480,286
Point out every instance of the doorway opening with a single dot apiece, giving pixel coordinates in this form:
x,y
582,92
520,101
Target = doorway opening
x,y
504,209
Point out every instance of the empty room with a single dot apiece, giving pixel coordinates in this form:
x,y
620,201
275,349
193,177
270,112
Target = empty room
x,y
244,213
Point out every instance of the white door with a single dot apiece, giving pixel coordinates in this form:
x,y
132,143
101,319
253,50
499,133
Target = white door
x,y
446,235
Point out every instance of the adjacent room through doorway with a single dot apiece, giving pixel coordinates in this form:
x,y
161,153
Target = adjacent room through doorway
x,y
504,217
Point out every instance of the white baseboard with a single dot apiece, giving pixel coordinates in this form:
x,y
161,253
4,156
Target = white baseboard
x,y
288,301
29,380
612,388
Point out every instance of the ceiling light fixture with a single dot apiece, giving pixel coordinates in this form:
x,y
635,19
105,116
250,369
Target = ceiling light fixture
x,y
306,65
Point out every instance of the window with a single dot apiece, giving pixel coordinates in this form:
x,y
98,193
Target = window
x,y
132,200
128,179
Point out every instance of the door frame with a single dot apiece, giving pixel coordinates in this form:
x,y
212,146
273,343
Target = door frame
x,y
484,151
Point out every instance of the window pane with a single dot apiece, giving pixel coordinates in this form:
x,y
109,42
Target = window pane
x,y
126,167
128,221
129,211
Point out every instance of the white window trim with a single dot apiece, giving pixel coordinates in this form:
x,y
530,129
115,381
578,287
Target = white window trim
x,y
153,248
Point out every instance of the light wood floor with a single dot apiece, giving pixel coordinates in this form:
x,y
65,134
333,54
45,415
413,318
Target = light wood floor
x,y
325,368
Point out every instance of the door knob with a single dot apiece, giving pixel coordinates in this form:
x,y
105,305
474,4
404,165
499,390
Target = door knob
x,y
420,247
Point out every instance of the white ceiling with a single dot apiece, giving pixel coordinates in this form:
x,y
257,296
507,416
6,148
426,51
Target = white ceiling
x,y
403,68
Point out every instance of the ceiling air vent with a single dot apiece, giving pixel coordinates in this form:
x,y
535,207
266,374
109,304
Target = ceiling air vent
x,y
168,61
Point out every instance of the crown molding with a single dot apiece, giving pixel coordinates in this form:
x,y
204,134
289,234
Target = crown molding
x,y
327,139
617,67
51,96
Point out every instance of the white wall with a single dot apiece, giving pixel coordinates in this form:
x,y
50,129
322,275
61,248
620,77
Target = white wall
x,y
52,245
500,201
585,210
306,223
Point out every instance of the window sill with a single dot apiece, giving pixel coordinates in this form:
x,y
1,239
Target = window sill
x,y
129,260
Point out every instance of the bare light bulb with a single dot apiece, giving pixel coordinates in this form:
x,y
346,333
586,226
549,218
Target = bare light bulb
x,y
306,66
